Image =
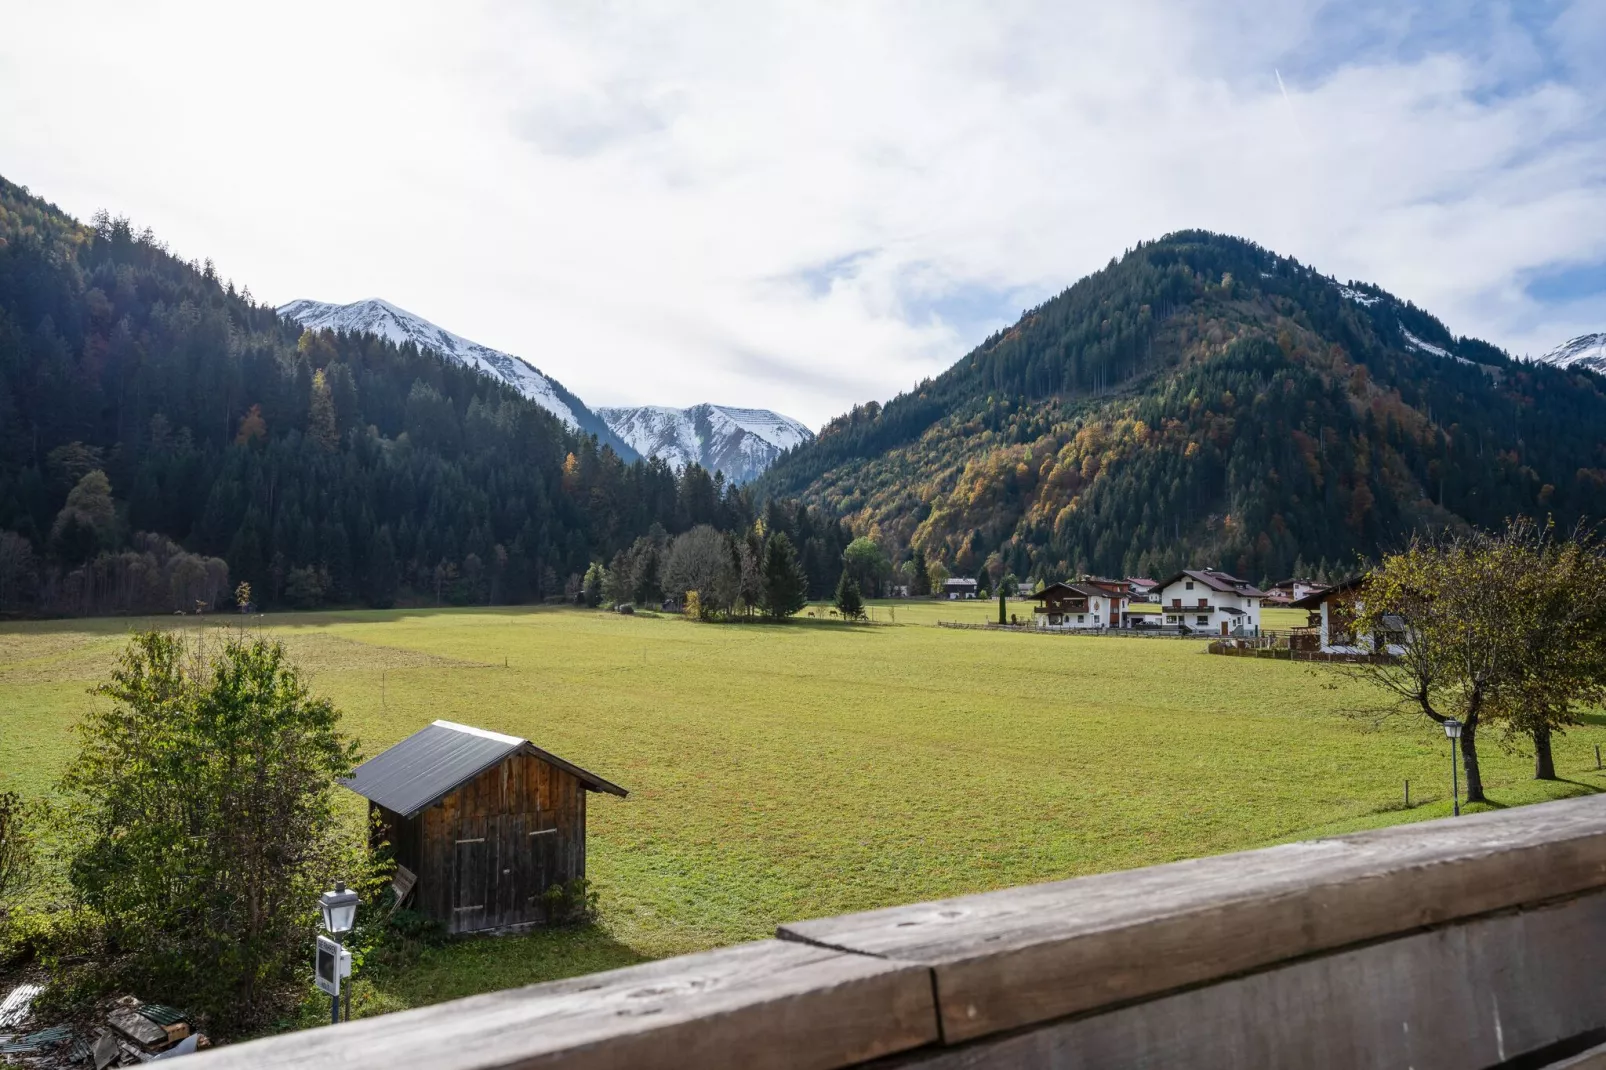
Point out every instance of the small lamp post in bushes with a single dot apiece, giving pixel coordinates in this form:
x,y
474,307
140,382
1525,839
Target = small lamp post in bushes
x,y
1452,728
339,908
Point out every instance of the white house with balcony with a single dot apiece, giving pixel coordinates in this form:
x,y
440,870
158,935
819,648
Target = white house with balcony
x,y
1073,606
1211,602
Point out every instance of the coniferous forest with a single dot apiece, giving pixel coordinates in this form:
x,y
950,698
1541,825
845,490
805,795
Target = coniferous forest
x,y
1204,402
163,437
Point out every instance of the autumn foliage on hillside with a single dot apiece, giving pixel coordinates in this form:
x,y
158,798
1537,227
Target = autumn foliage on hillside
x,y
1204,401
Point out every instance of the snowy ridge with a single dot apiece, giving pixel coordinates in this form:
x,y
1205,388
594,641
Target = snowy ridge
x,y
1587,351
722,438
1357,296
393,324
397,325
1413,342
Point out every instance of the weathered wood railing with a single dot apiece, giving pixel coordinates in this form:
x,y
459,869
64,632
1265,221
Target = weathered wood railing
x,y
1464,942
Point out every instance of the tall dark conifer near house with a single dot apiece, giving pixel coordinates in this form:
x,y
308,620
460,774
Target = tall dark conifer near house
x,y
849,602
784,581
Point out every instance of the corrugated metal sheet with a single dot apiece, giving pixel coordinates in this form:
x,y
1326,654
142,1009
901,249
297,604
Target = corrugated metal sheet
x,y
432,762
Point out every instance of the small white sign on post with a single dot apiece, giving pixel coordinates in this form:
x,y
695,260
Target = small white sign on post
x,y
333,963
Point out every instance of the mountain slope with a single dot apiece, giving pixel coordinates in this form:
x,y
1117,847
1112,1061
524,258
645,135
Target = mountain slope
x,y
742,443
397,325
1203,401
1587,351
163,437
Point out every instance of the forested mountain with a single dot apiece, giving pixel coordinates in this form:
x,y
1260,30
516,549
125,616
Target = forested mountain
x,y
398,325
1203,401
163,437
741,443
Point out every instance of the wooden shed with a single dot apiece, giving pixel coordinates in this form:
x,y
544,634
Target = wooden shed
x,y
486,822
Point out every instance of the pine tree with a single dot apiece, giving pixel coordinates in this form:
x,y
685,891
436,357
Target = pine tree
x,y
382,571
786,585
321,426
849,603
1002,618
922,577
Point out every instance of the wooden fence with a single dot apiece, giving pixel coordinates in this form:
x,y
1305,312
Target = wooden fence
x,y
1120,633
1464,942
1250,649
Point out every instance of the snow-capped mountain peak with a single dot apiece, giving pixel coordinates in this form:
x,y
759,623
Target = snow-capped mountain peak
x,y
722,438
378,317
1586,351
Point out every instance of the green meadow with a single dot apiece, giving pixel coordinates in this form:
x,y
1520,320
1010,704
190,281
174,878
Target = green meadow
x,y
779,772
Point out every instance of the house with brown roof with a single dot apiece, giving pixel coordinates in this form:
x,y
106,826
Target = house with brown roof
x,y
1331,628
1081,605
1212,602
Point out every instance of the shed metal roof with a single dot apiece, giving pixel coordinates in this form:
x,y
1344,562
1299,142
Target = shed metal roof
x,y
441,757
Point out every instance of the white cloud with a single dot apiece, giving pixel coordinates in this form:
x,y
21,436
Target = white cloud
x,y
640,198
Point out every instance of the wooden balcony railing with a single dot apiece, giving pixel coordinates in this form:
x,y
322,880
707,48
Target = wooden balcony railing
x,y
1464,942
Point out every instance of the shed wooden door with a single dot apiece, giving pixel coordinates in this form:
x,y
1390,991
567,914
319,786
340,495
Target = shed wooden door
x,y
473,856
541,851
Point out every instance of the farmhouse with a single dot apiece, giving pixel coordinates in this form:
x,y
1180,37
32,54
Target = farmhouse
x,y
1331,627
1063,606
487,823
1209,600
958,587
1287,592
1141,587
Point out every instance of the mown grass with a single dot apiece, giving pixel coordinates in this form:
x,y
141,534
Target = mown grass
x,y
779,772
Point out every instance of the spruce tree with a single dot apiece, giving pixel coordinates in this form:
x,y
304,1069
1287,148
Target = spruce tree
x,y
785,584
848,601
1002,618
382,571
922,578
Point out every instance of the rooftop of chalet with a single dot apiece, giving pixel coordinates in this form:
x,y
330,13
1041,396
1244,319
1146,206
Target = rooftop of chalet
x,y
1216,580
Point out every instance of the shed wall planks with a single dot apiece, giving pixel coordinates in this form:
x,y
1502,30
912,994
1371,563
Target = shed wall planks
x,y
478,865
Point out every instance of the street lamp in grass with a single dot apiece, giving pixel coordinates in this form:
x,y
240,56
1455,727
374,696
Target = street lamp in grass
x,y
1452,729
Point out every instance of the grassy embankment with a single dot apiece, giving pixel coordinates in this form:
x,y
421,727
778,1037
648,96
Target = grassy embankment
x,y
787,771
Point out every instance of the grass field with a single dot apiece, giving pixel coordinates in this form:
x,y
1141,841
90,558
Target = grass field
x,y
779,772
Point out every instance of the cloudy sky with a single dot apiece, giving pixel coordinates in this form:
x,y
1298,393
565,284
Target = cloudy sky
x,y
803,206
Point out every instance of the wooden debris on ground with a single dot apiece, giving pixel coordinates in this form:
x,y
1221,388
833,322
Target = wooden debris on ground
x,y
134,1032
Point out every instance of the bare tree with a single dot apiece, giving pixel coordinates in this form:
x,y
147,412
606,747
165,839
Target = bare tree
x,y
700,561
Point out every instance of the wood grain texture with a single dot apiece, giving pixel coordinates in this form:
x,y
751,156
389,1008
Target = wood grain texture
x,y
769,1005
1467,995
1002,960
508,872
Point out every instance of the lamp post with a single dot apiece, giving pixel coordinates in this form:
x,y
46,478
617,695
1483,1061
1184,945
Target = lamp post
x,y
1452,728
339,909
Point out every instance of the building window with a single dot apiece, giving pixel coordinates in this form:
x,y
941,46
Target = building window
x,y
1202,619
1188,586
1203,602
1080,618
